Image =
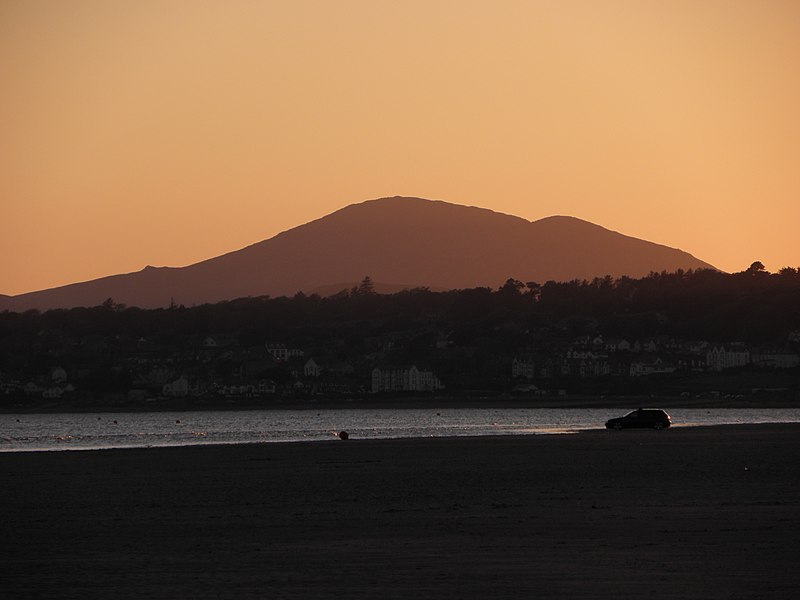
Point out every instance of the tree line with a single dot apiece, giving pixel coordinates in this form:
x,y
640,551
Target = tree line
x,y
752,306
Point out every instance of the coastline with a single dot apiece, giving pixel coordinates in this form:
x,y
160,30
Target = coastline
x,y
709,512
560,431
417,402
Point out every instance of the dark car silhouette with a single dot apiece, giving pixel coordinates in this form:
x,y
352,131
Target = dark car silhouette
x,y
648,418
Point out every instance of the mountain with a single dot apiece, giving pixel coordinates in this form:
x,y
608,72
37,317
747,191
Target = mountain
x,y
403,242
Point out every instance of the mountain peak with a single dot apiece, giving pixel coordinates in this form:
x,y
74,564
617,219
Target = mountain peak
x,y
409,203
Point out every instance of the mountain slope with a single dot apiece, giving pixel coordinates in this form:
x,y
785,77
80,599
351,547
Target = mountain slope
x,y
393,240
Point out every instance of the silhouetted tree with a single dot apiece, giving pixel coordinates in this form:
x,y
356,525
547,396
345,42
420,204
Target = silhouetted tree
x,y
365,288
534,291
512,287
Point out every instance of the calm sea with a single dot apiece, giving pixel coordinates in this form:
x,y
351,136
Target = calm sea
x,y
86,431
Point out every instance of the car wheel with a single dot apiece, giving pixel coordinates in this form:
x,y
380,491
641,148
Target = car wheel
x,y
658,425
617,426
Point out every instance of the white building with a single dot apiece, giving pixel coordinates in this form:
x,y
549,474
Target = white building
x,y
523,367
776,359
176,388
720,357
427,382
282,353
311,368
404,379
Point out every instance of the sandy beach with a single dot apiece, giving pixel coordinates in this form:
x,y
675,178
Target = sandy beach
x,y
685,513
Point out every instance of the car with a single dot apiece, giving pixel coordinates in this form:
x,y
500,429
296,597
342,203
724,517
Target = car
x,y
649,418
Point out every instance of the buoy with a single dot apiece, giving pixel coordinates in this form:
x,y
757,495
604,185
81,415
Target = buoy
x,y
343,435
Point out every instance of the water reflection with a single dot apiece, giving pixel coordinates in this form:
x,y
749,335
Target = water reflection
x,y
120,430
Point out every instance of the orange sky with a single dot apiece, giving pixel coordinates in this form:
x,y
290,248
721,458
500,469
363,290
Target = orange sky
x,y
165,132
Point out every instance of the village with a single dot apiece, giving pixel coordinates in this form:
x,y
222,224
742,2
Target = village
x,y
218,368
688,335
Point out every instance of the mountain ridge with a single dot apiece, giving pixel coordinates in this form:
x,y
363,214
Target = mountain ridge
x,y
419,242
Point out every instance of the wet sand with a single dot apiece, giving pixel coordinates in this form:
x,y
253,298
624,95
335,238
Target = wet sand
x,y
685,513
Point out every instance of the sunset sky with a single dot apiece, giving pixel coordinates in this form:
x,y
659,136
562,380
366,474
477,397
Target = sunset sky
x,y
166,132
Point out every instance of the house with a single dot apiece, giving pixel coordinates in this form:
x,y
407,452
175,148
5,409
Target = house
x,y
177,388
403,379
444,342
588,341
649,346
237,391
59,375
697,348
722,357
573,354
584,363
159,376
775,358
527,388
281,352
266,386
427,382
339,368
311,368
586,367
335,388
523,367
671,344
10,386
300,387
53,392
655,366
617,345
32,389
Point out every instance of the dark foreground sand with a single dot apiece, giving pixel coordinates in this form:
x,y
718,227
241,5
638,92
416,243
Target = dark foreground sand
x,y
683,513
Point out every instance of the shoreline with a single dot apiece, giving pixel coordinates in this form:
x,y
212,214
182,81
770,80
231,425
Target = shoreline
x,y
487,402
559,432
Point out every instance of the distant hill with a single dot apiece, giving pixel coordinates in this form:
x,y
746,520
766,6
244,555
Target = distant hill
x,y
403,242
